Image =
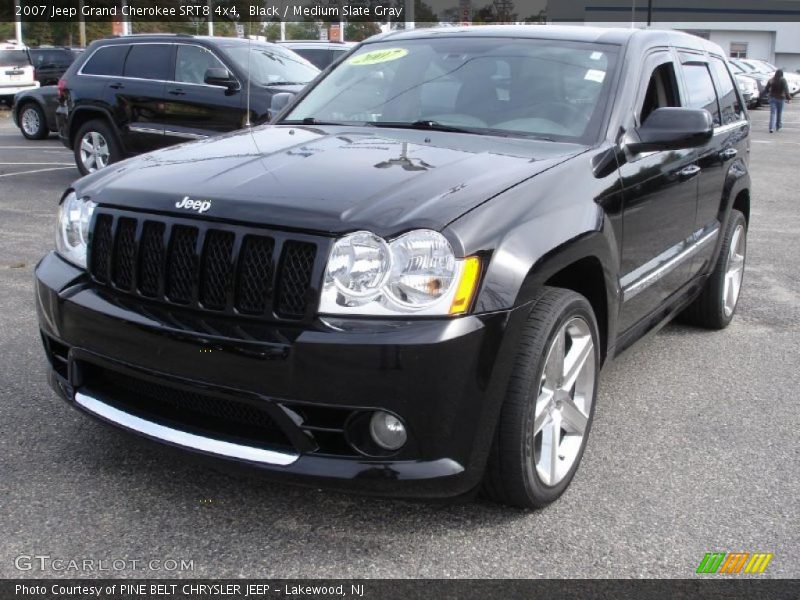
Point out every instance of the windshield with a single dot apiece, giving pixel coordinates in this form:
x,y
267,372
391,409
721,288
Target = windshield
x,y
537,88
14,58
270,65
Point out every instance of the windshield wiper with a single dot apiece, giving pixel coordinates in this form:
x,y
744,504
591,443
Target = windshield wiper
x,y
287,83
309,121
423,124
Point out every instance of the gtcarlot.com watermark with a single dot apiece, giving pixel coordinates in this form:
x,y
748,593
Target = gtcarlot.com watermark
x,y
47,563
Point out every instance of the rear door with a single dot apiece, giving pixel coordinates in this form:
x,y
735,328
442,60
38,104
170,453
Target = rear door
x,y
194,109
728,147
138,97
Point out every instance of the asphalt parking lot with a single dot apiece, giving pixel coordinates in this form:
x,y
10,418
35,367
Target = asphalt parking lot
x,y
695,445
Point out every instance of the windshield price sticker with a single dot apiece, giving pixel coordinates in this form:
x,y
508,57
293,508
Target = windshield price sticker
x,y
378,56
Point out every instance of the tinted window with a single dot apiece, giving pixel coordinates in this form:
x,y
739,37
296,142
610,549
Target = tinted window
x,y
106,61
319,57
726,91
51,58
192,62
149,61
700,88
14,58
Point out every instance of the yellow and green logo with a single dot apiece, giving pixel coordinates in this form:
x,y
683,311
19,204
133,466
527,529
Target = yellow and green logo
x,y
732,563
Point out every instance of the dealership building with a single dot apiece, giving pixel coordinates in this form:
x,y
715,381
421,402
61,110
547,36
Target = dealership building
x,y
766,30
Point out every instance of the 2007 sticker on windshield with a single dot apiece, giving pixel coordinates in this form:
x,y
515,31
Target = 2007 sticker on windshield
x,y
378,56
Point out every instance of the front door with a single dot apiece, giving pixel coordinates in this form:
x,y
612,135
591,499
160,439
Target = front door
x,y
659,205
195,109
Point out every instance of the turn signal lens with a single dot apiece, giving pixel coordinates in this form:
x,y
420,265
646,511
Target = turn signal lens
x,y
466,286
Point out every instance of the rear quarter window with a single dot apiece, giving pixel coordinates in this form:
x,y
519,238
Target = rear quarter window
x,y
108,60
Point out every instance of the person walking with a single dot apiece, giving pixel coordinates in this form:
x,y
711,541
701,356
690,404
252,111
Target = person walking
x,y
778,92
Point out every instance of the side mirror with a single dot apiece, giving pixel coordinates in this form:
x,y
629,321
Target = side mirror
x,y
219,76
671,129
279,102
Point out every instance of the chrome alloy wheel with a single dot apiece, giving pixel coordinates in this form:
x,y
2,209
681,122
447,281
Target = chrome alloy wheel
x,y
94,151
735,270
564,403
30,121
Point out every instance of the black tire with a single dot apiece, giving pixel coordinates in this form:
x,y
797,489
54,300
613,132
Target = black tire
x,y
511,475
100,127
708,309
38,124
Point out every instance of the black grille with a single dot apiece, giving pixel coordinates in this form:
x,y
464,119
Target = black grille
x,y
183,409
234,270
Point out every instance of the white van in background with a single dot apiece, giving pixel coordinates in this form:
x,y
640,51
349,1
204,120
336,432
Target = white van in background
x,y
16,71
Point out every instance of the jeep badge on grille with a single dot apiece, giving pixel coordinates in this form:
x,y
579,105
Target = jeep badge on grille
x,y
200,206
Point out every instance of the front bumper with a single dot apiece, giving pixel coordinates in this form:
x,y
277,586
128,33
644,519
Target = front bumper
x,y
445,378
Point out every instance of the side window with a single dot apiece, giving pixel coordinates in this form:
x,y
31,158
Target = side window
x,y
700,88
192,62
662,91
729,104
149,61
106,61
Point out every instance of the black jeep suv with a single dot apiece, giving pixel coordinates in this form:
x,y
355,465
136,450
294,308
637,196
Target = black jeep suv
x,y
133,94
408,283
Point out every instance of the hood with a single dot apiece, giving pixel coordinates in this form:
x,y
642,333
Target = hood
x,y
327,179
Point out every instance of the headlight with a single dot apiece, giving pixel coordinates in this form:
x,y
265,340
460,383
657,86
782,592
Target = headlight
x,y
72,232
417,273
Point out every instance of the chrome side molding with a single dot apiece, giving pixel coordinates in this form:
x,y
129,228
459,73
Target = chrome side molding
x,y
183,439
665,263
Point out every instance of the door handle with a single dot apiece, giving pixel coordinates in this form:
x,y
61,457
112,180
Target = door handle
x,y
689,172
177,92
116,86
728,154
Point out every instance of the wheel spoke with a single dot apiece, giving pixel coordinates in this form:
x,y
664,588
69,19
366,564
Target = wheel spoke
x,y
554,368
573,418
554,438
576,359
542,411
86,145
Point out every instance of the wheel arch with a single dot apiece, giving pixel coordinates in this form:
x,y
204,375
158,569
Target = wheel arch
x,y
82,115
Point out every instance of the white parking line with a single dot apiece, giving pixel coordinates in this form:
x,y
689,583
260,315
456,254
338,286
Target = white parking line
x,y
34,163
33,147
37,171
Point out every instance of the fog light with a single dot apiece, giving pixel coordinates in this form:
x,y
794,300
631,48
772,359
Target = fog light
x,y
387,431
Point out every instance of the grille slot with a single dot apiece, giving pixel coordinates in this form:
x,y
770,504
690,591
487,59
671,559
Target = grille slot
x,y
217,269
255,274
124,249
188,410
225,269
182,276
100,241
296,267
151,258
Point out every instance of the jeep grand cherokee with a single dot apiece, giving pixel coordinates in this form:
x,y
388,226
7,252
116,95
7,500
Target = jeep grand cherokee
x,y
407,283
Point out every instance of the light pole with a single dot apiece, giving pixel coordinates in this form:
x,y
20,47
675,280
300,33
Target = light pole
x,y
17,23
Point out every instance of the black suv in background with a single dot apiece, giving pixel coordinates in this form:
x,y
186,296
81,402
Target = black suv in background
x,y
50,63
409,281
134,94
